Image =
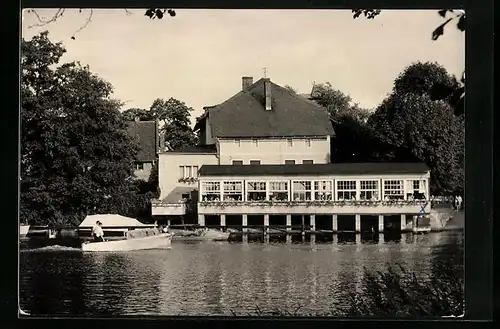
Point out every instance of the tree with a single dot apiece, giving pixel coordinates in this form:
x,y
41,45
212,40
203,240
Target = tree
x,y
175,117
456,15
76,155
413,126
425,78
142,114
152,13
455,96
352,140
154,181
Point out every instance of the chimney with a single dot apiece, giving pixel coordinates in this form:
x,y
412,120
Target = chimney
x,y
267,89
246,82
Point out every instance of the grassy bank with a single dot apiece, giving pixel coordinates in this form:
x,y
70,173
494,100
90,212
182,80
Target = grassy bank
x,y
397,292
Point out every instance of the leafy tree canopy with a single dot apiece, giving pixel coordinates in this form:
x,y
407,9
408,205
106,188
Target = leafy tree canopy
x,y
133,113
76,156
425,78
174,117
413,126
351,142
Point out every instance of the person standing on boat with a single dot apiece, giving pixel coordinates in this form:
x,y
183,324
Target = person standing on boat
x,y
459,202
97,232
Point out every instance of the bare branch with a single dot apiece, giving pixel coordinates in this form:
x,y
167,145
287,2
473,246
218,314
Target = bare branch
x,y
42,21
89,18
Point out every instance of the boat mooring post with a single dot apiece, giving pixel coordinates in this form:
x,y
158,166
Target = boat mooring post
x,y
266,224
303,226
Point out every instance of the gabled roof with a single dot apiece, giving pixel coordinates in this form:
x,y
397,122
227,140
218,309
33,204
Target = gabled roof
x,y
146,132
244,115
366,168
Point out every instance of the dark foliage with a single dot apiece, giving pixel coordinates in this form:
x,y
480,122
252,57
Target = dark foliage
x,y
76,155
174,118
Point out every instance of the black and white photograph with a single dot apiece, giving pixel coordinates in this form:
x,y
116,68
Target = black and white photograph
x,y
237,162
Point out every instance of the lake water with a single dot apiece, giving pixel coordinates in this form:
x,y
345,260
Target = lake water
x,y
218,278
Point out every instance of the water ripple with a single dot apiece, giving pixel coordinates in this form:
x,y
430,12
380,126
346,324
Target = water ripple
x,y
215,278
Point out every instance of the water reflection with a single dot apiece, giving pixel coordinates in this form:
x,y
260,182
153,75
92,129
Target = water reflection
x,y
55,284
204,278
121,283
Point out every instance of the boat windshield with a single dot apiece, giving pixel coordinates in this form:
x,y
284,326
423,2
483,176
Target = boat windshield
x,y
141,233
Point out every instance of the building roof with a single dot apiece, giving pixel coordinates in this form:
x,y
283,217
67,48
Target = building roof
x,y
196,149
146,133
244,115
315,169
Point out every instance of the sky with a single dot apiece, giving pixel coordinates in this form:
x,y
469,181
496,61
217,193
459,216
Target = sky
x,y
199,56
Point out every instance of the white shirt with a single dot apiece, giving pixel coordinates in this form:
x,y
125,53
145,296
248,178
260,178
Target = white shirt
x,y
97,230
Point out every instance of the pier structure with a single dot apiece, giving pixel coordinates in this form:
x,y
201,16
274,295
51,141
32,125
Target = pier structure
x,y
328,198
265,163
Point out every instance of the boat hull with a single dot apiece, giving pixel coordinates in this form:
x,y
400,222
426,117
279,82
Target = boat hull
x,y
159,241
200,238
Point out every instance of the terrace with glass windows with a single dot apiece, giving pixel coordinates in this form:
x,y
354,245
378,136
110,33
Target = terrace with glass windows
x,y
355,188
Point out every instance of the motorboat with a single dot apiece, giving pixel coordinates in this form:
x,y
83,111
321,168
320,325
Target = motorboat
x,y
122,234
200,234
114,226
139,239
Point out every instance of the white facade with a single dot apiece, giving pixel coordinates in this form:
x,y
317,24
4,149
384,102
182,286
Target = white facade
x,y
360,194
274,151
180,170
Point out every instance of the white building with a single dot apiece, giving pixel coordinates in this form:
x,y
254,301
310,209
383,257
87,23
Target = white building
x,y
265,161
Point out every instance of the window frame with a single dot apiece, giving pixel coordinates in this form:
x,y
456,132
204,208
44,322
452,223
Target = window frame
x,y
216,192
226,192
274,190
369,189
307,192
261,192
352,192
319,189
388,196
